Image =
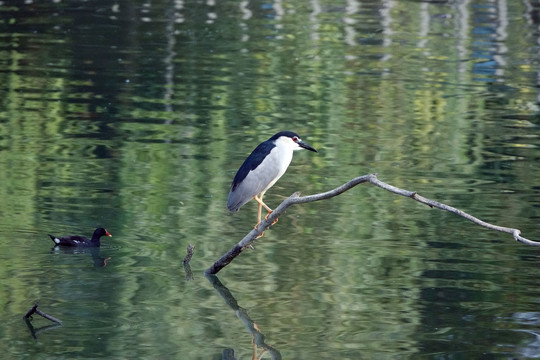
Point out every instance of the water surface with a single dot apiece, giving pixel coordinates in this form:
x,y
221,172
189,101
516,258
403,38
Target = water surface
x,y
136,116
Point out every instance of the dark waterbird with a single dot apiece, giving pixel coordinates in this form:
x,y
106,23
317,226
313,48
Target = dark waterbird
x,y
76,240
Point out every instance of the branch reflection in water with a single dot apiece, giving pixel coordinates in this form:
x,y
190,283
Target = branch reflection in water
x,y
251,326
34,332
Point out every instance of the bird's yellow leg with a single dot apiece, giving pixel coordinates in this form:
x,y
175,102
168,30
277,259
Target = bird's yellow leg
x,y
258,215
267,209
267,215
266,218
261,203
259,212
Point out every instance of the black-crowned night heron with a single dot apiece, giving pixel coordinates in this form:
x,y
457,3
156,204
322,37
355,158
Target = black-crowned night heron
x,y
262,168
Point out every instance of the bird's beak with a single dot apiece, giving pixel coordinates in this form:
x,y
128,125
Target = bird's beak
x,y
107,233
306,146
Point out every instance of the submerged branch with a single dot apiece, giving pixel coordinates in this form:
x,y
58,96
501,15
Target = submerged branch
x,y
189,254
187,259
371,178
34,309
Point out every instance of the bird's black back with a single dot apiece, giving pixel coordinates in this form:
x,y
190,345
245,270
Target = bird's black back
x,y
257,156
253,160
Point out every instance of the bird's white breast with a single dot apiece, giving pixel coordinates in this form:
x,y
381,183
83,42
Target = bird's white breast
x,y
279,159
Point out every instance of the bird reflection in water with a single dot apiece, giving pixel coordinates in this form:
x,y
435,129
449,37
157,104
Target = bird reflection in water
x,y
94,252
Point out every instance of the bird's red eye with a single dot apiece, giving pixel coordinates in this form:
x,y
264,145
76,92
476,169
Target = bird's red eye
x,y
295,139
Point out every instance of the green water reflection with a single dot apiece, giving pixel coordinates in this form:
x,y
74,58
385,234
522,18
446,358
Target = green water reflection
x,y
135,116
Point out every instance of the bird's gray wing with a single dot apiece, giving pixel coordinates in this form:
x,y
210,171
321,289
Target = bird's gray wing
x,y
254,182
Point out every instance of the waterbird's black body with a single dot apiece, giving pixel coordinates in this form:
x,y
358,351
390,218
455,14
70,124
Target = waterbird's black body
x,y
76,240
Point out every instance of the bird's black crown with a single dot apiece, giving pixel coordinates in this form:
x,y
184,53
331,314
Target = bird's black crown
x,y
284,133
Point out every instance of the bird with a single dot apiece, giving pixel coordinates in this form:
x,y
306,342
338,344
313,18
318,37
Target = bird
x,y
262,168
76,240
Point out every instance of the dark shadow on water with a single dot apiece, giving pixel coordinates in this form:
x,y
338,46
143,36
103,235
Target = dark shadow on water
x,y
94,252
34,332
256,334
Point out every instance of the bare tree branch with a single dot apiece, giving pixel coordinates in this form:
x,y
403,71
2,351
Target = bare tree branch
x,y
34,309
371,178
